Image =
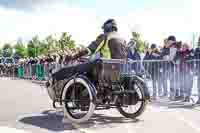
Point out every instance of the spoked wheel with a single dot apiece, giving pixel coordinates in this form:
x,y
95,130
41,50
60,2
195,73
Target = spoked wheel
x,y
78,100
133,105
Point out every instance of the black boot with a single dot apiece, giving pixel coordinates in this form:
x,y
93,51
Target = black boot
x,y
47,84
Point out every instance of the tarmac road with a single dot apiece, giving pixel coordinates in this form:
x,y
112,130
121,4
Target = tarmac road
x,y
26,108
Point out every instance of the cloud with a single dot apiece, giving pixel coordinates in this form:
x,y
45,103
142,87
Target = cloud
x,y
157,24
28,5
85,24
82,24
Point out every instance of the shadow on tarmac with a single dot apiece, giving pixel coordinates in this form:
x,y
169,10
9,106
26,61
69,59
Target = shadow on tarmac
x,y
49,120
52,121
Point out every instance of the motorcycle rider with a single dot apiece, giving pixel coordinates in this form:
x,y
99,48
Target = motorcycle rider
x,y
108,45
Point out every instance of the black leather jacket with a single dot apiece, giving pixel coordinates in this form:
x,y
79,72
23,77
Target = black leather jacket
x,y
116,45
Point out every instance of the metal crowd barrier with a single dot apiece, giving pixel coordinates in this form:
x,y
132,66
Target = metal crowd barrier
x,y
8,70
174,78
164,78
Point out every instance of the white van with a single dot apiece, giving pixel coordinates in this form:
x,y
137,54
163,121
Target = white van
x,y
9,60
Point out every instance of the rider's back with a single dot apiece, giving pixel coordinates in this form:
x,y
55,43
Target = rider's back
x,y
114,42
117,46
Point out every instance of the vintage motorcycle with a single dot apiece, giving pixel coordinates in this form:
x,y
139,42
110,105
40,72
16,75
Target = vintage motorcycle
x,y
110,84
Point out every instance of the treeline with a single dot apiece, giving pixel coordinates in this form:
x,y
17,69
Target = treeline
x,y
36,47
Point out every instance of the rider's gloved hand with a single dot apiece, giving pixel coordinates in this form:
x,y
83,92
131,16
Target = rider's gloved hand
x,y
80,54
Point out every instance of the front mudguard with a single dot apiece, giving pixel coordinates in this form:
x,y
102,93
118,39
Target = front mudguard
x,y
144,86
92,87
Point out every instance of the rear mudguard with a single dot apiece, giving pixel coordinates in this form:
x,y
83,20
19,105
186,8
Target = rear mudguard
x,y
145,88
92,87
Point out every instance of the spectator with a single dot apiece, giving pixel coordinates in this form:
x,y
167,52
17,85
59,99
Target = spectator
x,y
135,56
197,62
171,43
164,70
153,67
184,72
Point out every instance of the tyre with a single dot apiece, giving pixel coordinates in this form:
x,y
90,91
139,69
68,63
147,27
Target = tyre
x,y
140,94
77,95
50,90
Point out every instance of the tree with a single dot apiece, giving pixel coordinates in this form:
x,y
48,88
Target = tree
x,y
7,50
36,47
1,52
140,44
20,49
47,45
50,42
33,47
43,48
66,41
36,43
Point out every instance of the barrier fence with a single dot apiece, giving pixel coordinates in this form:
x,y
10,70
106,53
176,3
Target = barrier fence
x,y
164,78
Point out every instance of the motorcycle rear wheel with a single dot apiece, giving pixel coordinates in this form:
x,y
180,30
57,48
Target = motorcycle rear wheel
x,y
140,86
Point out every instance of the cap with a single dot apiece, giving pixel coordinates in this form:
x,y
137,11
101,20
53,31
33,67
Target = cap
x,y
171,38
153,46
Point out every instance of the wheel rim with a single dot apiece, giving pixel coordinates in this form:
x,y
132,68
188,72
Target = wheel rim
x,y
132,109
77,100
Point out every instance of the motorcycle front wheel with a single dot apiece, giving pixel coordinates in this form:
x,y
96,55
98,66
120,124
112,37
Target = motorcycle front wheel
x,y
78,100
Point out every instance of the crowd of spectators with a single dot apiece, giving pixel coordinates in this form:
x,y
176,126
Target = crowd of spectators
x,y
174,61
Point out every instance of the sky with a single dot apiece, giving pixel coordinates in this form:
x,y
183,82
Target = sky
x,y
154,19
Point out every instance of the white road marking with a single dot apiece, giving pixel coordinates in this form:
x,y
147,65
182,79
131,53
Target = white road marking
x,y
5,78
188,122
161,109
176,114
11,130
77,126
126,128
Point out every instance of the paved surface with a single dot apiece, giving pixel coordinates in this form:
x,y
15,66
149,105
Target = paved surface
x,y
26,108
